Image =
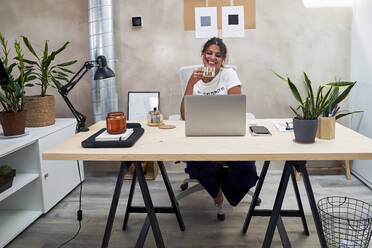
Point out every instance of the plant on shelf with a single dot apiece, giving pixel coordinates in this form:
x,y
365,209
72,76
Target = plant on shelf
x,y
12,92
42,110
315,104
6,177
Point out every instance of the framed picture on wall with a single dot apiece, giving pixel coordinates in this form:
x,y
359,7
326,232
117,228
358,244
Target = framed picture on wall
x,y
141,102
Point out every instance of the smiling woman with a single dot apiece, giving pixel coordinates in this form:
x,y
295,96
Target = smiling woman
x,y
327,3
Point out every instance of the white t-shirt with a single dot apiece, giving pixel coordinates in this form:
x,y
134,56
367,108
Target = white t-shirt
x,y
220,84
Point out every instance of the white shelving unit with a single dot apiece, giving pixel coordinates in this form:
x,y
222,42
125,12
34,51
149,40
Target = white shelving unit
x,y
38,184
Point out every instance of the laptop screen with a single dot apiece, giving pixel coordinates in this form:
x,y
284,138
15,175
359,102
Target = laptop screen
x,y
217,115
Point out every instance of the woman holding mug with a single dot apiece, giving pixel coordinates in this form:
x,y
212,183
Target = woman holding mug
x,y
231,179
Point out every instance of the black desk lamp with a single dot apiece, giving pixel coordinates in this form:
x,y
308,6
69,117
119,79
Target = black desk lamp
x,y
4,78
102,72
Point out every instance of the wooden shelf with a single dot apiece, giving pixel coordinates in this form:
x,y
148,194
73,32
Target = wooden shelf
x,y
13,222
20,180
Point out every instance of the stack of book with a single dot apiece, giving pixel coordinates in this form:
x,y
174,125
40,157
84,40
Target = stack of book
x,y
105,136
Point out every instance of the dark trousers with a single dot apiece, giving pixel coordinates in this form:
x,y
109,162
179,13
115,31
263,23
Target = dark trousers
x,y
235,178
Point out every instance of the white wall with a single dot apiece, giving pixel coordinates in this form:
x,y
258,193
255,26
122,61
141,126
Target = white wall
x,y
361,71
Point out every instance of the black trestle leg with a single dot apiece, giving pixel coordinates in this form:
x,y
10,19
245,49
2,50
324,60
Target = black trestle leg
x,y
299,202
143,234
130,197
171,195
255,196
114,204
277,205
149,206
283,233
302,168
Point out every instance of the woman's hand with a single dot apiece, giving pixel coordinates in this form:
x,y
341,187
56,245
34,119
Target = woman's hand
x,y
196,75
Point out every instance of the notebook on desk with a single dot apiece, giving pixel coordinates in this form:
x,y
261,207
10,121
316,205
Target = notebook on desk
x,y
217,115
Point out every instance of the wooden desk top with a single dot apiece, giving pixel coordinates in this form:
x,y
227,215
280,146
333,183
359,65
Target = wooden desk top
x,y
172,145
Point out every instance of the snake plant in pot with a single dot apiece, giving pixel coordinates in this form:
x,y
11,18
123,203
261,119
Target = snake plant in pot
x,y
41,108
314,104
13,115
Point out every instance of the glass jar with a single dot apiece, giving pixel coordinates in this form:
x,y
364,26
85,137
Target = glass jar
x,y
154,118
116,123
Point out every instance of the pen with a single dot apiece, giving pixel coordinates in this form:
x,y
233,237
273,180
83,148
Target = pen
x,y
288,127
335,111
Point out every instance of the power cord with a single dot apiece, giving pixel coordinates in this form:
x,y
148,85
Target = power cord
x,y
79,212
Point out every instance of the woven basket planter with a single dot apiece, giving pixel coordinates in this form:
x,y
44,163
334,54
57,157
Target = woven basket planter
x,y
40,111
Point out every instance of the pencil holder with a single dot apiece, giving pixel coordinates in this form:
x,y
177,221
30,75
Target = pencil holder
x,y
326,128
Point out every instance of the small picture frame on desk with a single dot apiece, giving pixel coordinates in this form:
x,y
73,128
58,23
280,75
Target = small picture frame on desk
x,y
141,102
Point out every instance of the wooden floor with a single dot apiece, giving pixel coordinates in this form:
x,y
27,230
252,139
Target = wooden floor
x,y
202,227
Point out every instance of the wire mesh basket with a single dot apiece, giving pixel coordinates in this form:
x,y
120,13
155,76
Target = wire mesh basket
x,y
346,222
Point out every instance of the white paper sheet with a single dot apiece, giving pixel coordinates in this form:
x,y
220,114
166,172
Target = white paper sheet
x,y
206,22
233,21
281,125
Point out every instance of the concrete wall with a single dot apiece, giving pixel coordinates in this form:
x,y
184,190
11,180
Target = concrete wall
x,y
57,21
289,39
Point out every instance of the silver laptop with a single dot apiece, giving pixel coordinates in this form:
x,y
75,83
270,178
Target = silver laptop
x,y
217,115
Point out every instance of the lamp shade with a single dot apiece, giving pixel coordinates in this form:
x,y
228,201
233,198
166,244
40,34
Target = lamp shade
x,y
103,71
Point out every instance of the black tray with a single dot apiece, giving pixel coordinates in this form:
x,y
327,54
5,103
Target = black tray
x,y
92,143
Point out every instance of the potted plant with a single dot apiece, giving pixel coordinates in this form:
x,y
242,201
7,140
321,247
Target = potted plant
x,y
40,108
305,122
327,122
13,116
7,175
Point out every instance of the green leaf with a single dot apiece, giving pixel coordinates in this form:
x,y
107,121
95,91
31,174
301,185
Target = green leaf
x,y
4,99
282,78
343,95
297,114
60,74
333,97
319,97
29,46
348,113
62,48
65,70
309,92
10,68
325,100
295,92
61,78
67,63
45,50
57,83
30,78
340,83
